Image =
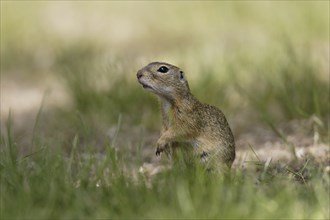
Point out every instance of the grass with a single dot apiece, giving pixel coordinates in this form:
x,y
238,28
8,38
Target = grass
x,y
264,64
90,185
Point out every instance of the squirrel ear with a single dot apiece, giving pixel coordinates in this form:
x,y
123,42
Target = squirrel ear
x,y
181,75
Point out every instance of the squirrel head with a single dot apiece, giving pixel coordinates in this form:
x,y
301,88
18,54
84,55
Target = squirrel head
x,y
163,79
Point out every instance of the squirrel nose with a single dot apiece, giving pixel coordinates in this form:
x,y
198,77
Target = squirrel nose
x,y
139,75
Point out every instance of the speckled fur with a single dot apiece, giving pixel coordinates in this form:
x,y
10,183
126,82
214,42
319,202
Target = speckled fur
x,y
185,119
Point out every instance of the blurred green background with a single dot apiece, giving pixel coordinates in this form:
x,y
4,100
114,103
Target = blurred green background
x,y
252,59
68,75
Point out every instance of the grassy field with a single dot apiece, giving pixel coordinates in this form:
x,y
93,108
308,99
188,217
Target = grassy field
x,y
78,132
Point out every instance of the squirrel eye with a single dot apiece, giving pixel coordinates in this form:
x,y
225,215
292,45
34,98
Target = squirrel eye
x,y
181,75
163,69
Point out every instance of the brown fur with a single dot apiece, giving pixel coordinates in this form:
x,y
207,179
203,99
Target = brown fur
x,y
185,119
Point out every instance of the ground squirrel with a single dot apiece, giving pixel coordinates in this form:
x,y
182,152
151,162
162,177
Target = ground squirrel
x,y
187,120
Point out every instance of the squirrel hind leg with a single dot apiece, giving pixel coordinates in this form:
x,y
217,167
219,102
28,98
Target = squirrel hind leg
x,y
216,162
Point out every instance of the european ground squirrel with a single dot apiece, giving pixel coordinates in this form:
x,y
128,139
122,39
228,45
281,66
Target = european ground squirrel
x,y
187,120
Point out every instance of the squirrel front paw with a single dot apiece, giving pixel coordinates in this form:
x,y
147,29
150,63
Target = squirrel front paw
x,y
161,147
